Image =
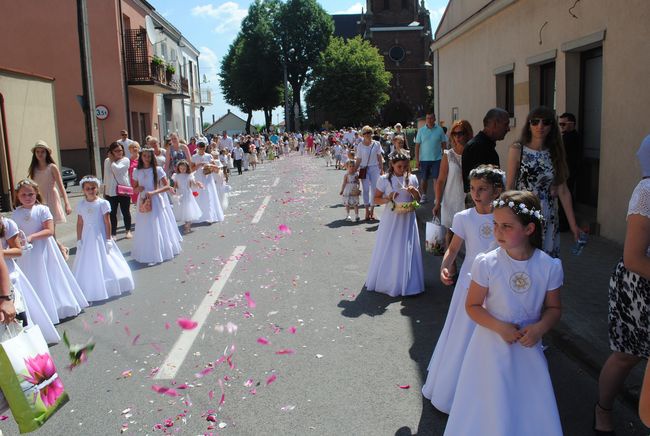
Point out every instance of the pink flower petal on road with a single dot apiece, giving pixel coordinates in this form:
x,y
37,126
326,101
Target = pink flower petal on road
x,y
284,229
249,300
271,379
248,383
127,330
186,324
167,326
404,386
204,372
285,351
4,418
223,393
292,330
164,390
211,395
135,340
263,341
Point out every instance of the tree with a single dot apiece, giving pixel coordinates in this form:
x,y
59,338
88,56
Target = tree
x,y
235,89
349,82
303,31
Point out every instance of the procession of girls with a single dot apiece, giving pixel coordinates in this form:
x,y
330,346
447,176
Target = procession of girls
x,y
46,289
488,370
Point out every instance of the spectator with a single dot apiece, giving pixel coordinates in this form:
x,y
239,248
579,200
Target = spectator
x,y
629,301
573,148
480,150
225,142
429,143
124,139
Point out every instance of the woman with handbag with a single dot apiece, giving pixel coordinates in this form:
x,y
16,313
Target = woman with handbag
x,y
370,165
117,186
629,301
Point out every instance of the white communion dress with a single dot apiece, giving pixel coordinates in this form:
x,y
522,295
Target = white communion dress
x,y
156,237
222,189
506,389
36,313
99,267
46,269
208,198
396,262
477,232
187,209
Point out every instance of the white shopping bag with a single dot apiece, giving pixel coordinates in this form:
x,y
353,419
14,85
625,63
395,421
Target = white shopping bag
x,y
435,237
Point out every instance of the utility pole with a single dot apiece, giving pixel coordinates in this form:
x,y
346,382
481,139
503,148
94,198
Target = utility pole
x,y
88,98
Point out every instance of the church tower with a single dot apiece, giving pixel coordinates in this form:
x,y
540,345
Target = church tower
x,y
401,30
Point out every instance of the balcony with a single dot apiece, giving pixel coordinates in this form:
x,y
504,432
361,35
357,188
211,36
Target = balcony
x,y
206,96
142,71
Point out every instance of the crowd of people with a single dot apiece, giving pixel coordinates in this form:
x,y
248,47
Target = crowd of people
x,y
488,366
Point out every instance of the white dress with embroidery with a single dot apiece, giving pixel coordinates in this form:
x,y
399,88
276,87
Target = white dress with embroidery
x,y
187,209
453,198
396,264
477,232
36,313
46,269
156,238
506,389
208,199
100,275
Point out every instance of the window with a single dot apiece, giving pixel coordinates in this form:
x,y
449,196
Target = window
x,y
386,5
506,92
547,85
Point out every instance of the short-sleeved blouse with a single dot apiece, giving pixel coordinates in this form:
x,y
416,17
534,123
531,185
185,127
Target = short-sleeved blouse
x,y
144,177
640,202
369,153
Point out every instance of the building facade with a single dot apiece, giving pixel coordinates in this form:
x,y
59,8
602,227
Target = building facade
x,y
229,122
584,58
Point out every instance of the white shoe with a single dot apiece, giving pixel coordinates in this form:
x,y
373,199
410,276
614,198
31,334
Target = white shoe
x,y
349,218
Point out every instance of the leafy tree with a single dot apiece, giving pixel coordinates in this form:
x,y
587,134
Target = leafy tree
x,y
349,82
303,30
235,88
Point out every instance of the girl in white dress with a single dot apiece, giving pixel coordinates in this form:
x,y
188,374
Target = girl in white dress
x,y
396,263
350,190
157,238
223,188
472,227
208,198
99,267
187,209
35,311
504,386
44,265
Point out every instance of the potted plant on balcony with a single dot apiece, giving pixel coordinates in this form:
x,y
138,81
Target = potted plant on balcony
x,y
170,69
157,68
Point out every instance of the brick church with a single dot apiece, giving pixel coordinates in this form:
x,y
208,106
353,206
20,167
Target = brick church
x,y
401,30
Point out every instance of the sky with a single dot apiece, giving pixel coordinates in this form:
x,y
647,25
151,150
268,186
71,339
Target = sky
x,y
212,25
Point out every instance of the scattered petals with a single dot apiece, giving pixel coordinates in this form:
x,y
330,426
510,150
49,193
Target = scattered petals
x,y
204,372
127,373
263,341
292,330
135,339
284,229
249,300
4,418
271,379
167,326
164,390
285,351
404,386
186,324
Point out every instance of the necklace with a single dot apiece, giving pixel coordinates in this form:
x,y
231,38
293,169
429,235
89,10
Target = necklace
x,y
519,281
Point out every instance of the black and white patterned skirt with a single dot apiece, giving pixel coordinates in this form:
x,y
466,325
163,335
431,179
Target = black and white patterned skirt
x,y
629,312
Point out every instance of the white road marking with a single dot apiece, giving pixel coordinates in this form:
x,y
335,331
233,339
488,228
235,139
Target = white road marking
x,y
260,211
179,351
275,182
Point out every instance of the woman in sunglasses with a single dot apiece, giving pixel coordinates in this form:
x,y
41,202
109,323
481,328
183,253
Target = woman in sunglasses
x,y
537,163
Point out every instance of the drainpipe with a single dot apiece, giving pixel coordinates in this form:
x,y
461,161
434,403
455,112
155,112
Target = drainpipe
x,y
125,79
92,142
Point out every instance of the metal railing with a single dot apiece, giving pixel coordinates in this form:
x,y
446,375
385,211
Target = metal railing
x,y
206,96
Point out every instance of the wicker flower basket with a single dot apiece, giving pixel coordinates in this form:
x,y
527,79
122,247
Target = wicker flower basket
x,y
402,208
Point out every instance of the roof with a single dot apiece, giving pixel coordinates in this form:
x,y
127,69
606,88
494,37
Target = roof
x,y
221,118
346,26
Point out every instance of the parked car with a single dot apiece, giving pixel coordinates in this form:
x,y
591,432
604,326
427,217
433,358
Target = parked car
x,y
68,176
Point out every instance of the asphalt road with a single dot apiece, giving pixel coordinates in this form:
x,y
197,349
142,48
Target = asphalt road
x,y
307,352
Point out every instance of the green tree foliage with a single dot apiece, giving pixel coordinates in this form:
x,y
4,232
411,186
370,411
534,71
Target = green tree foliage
x,y
303,30
251,72
349,82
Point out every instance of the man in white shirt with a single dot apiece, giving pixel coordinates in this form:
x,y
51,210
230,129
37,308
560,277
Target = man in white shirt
x,y
348,136
237,156
225,142
124,139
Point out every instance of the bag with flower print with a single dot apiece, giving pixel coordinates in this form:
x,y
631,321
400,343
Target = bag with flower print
x,y
29,379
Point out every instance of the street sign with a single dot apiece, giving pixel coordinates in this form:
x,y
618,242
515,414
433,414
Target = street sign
x,y
101,112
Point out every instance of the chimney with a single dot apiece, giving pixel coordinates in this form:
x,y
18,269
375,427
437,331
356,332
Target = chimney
x,y
212,118
228,110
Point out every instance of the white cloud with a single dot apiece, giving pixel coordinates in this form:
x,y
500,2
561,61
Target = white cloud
x,y
228,15
354,9
209,62
435,13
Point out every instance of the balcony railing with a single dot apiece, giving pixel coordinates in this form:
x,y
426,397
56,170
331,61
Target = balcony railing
x,y
142,70
206,96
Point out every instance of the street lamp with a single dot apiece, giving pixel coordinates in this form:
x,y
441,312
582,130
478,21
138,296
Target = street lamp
x,y
286,90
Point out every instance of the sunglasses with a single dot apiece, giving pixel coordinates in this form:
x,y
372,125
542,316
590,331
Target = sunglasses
x,y
458,133
544,121
367,133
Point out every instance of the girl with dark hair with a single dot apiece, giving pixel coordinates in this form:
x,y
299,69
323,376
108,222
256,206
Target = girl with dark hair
x,y
537,163
157,238
116,179
504,387
396,263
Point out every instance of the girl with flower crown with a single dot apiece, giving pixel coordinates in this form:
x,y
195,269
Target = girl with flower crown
x,y
99,267
504,387
396,263
473,228
44,264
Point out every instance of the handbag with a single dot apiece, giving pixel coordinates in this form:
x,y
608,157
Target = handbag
x,y
122,189
144,204
363,171
435,237
28,377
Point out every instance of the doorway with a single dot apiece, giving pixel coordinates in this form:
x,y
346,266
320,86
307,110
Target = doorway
x,y
591,96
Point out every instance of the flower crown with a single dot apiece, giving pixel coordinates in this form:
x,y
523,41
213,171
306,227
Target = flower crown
x,y
519,209
90,179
